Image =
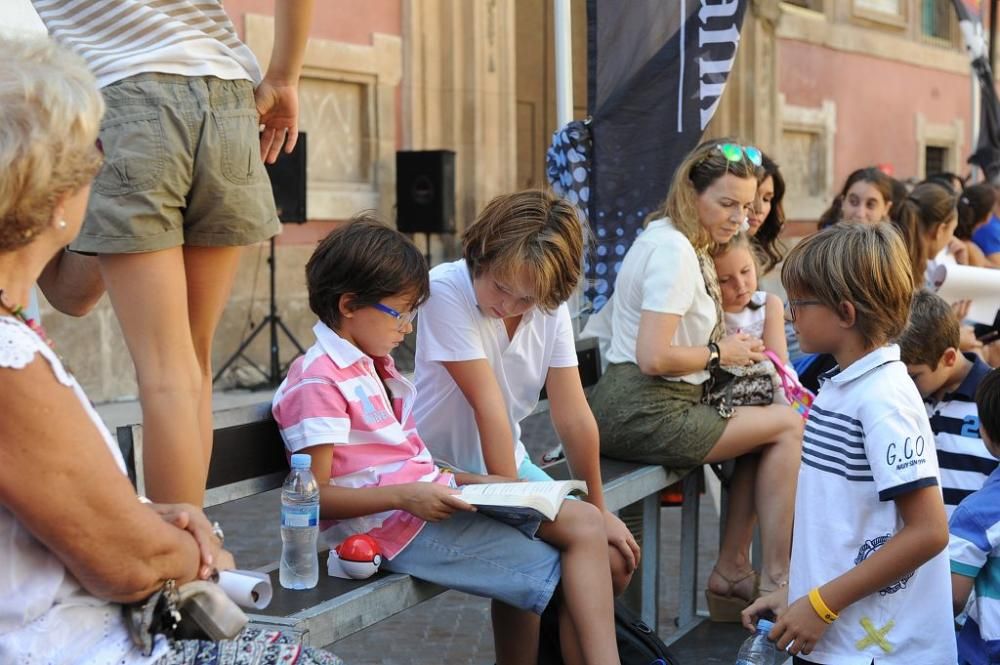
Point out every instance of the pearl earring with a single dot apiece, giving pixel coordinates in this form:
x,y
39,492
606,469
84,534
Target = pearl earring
x,y
61,224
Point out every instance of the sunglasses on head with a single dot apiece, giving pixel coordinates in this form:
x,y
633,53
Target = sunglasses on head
x,y
734,152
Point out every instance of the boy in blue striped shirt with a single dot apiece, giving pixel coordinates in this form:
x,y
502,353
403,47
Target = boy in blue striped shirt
x,y
947,380
975,545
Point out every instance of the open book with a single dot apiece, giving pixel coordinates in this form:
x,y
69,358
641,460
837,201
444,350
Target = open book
x,y
515,503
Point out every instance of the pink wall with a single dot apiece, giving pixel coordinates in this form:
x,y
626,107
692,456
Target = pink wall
x,y
343,20
877,102
351,21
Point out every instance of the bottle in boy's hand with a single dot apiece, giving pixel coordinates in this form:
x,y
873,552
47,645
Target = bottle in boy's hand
x,y
299,567
757,649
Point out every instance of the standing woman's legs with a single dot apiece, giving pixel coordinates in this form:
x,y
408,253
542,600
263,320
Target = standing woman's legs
x,y
150,297
210,273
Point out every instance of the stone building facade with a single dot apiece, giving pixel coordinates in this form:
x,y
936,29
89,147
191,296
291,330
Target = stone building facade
x,y
824,85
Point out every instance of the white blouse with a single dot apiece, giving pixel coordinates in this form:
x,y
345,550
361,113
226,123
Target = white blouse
x,y
45,615
660,273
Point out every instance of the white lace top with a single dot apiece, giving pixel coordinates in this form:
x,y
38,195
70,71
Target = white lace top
x,y
45,616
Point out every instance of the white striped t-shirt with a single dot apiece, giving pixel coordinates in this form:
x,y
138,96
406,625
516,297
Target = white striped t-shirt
x,y
122,38
333,395
866,443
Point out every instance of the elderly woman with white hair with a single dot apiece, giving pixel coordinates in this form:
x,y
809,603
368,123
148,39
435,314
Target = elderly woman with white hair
x,y
75,541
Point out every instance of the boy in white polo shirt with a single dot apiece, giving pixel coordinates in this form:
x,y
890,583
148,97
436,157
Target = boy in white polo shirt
x,y
869,579
495,331
345,404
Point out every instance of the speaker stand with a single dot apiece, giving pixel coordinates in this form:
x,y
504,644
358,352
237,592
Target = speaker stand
x,y
272,322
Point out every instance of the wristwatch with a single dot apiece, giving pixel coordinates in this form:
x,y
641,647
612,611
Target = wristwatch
x,y
714,356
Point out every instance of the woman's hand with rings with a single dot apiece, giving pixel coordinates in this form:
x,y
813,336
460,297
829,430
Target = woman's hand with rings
x,y
208,535
740,349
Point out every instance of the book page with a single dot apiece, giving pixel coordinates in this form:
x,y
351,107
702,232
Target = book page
x,y
554,491
543,497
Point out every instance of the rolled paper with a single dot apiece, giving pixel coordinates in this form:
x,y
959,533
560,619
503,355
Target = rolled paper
x,y
247,588
980,285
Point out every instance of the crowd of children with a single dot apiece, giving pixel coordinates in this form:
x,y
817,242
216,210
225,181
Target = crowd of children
x,y
900,436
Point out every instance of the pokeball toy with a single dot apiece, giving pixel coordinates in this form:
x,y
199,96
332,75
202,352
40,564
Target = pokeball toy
x,y
354,559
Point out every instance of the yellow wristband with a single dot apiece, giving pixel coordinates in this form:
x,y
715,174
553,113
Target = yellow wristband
x,y
824,612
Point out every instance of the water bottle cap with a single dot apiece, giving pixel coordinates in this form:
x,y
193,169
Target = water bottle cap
x,y
764,626
301,461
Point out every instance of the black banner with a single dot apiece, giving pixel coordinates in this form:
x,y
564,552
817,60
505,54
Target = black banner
x,y
987,151
657,71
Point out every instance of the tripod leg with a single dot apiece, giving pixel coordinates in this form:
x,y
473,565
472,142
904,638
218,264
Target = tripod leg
x,y
291,337
243,347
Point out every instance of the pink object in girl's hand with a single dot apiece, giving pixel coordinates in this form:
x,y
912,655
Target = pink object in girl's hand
x,y
798,396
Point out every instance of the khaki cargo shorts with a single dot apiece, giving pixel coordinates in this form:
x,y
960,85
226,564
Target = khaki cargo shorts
x,y
182,167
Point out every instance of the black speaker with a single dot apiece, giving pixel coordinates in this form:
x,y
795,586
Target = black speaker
x,y
425,191
288,182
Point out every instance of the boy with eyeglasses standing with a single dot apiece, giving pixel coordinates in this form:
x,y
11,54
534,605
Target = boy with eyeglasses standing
x,y
869,579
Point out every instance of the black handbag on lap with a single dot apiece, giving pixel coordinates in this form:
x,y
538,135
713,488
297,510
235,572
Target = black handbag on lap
x,y
753,385
638,644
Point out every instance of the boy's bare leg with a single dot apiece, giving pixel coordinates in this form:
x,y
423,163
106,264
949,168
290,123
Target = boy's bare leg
x,y
579,534
569,642
515,634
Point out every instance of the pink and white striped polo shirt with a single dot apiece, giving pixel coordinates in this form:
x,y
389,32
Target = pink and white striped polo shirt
x,y
332,395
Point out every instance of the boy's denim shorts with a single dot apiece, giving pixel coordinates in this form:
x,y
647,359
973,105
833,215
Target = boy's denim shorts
x,y
181,167
476,554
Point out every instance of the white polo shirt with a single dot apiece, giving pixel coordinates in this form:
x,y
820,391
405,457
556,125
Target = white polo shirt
x,y
451,328
659,273
868,441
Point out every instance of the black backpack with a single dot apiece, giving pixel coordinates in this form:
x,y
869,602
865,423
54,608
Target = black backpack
x,y
638,644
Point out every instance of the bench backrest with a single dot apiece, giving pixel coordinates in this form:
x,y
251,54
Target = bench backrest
x,y
248,455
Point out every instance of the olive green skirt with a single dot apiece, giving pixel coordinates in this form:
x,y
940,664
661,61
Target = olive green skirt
x,y
647,419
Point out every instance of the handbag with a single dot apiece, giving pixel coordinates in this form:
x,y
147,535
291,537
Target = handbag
x,y
638,644
732,386
798,396
198,610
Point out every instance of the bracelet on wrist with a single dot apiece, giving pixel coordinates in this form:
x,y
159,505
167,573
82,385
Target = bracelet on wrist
x,y
714,356
821,608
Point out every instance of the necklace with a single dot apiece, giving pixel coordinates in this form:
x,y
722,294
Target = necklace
x,y
17,311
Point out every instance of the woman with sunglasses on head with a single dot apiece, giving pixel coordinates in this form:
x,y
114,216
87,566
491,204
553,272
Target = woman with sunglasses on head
x,y
666,337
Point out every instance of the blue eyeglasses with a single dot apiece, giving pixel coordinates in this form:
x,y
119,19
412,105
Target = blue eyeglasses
x,y
402,319
734,152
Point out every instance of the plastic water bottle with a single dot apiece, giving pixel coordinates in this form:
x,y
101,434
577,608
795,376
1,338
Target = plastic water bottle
x,y
299,567
757,649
